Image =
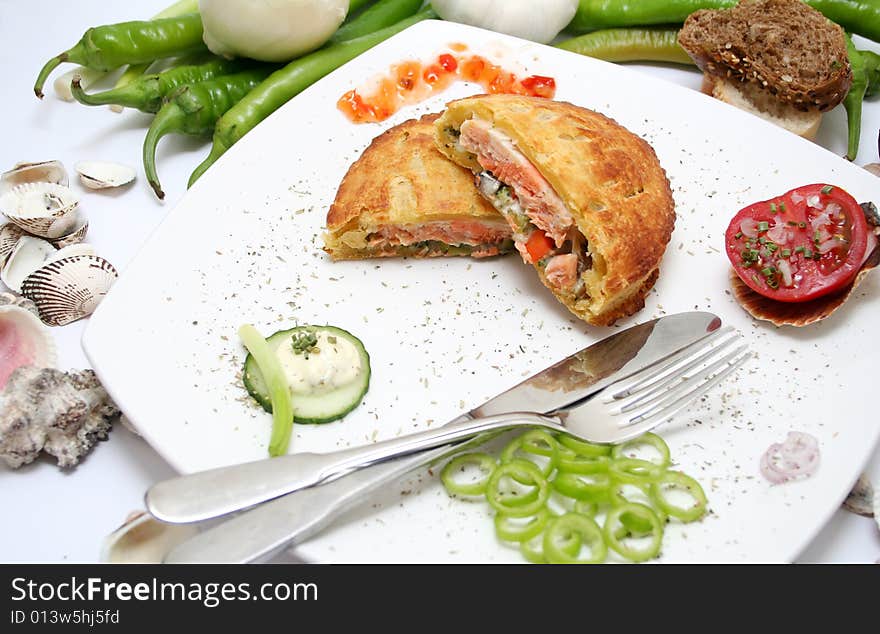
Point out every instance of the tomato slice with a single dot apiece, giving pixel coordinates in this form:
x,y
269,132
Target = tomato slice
x,y
808,242
538,245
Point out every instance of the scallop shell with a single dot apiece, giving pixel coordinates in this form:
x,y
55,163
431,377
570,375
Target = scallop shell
x,y
79,248
43,172
29,254
24,340
804,313
69,289
861,499
43,209
103,175
77,235
144,539
11,299
9,235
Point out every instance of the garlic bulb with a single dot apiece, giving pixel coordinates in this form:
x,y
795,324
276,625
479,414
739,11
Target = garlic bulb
x,y
536,21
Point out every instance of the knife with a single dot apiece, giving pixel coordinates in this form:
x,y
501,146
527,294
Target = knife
x,y
259,533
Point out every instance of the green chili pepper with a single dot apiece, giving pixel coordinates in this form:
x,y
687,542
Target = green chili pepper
x,y
630,45
852,103
288,82
111,46
856,16
194,110
381,14
872,71
182,7
354,5
149,92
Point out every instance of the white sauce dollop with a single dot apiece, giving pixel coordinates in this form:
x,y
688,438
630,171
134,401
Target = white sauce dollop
x,y
335,364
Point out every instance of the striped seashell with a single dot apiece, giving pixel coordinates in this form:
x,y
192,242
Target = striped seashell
x,y
81,227
103,174
43,172
43,209
28,255
69,289
80,248
9,235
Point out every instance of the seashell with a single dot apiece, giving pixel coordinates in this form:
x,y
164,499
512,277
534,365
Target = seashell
x,y
9,235
60,413
24,340
103,175
43,209
144,539
804,313
69,289
11,299
77,234
44,172
861,499
79,248
129,426
874,168
29,254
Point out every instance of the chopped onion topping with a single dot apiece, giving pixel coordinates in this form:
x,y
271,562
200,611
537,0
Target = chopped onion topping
x,y
785,269
829,244
813,201
797,457
749,227
796,198
820,221
779,233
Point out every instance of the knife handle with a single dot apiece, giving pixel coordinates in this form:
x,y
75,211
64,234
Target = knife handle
x,y
201,496
260,533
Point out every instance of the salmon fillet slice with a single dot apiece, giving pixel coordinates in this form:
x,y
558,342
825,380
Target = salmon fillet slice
x,y
497,153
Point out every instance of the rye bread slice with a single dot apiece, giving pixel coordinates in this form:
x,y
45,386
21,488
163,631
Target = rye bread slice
x,y
783,46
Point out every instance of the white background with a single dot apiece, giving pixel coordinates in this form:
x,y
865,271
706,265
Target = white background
x,y
50,515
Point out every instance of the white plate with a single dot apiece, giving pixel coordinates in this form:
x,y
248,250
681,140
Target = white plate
x,y
445,335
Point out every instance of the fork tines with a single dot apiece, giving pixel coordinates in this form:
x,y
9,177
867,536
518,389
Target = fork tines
x,y
657,393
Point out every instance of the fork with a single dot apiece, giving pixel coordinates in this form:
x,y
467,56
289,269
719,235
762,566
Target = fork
x,y
622,411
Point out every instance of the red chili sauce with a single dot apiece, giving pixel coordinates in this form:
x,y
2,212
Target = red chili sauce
x,y
412,81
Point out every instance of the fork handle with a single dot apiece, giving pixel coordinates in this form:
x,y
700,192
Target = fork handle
x,y
201,496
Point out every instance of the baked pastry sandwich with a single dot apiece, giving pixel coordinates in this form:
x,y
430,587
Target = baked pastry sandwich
x,y
402,197
587,200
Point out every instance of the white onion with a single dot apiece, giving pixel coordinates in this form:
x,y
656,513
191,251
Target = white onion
x,y
796,198
778,233
820,221
536,21
833,209
827,245
749,227
797,457
785,268
269,30
813,201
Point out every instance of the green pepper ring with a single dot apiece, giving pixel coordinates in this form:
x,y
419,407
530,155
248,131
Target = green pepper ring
x,y
524,472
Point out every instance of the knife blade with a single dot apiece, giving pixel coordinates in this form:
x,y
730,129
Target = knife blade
x,y
262,531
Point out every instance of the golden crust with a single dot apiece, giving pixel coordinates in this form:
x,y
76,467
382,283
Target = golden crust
x,y
609,178
401,180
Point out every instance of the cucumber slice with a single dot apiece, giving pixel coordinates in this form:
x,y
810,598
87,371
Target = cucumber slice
x,y
315,404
